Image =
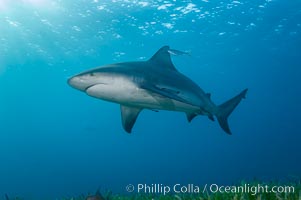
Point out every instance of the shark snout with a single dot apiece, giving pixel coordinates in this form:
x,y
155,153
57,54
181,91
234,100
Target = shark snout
x,y
77,83
69,81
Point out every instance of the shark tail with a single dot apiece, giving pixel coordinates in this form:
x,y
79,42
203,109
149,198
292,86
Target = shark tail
x,y
225,109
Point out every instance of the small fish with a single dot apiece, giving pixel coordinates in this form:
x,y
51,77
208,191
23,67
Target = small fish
x,y
97,196
6,197
177,52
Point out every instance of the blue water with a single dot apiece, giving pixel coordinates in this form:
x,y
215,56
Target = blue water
x,y
56,141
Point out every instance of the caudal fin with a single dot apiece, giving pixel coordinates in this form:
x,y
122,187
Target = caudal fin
x,y
226,109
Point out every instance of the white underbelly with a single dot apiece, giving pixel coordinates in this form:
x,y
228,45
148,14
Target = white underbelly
x,y
127,93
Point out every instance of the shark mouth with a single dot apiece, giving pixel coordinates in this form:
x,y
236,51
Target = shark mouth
x,y
90,86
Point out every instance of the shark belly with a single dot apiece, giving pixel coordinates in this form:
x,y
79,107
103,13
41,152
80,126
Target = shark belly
x,y
125,92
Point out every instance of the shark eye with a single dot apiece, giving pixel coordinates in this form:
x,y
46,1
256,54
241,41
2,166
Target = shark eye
x,y
92,74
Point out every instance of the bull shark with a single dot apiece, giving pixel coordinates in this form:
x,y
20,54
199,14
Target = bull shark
x,y
154,84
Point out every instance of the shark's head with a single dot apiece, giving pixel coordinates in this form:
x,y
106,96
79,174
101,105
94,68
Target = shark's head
x,y
85,80
106,82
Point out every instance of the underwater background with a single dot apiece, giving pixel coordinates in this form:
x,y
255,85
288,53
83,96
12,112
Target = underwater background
x,y
56,141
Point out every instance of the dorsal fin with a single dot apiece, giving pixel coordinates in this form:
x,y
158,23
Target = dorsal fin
x,y
162,58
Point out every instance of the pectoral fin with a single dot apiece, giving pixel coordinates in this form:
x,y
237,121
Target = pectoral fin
x,y
129,116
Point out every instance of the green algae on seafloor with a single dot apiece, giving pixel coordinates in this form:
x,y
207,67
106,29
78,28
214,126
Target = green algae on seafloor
x,y
296,195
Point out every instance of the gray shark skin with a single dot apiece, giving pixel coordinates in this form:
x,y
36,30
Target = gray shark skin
x,y
154,84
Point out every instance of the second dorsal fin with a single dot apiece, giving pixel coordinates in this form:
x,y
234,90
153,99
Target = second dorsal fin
x,y
162,58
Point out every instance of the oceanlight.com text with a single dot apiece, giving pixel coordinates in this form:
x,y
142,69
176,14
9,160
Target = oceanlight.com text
x,y
207,188
250,189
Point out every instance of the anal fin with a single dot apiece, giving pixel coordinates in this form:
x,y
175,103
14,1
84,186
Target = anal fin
x,y
211,118
129,116
190,116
